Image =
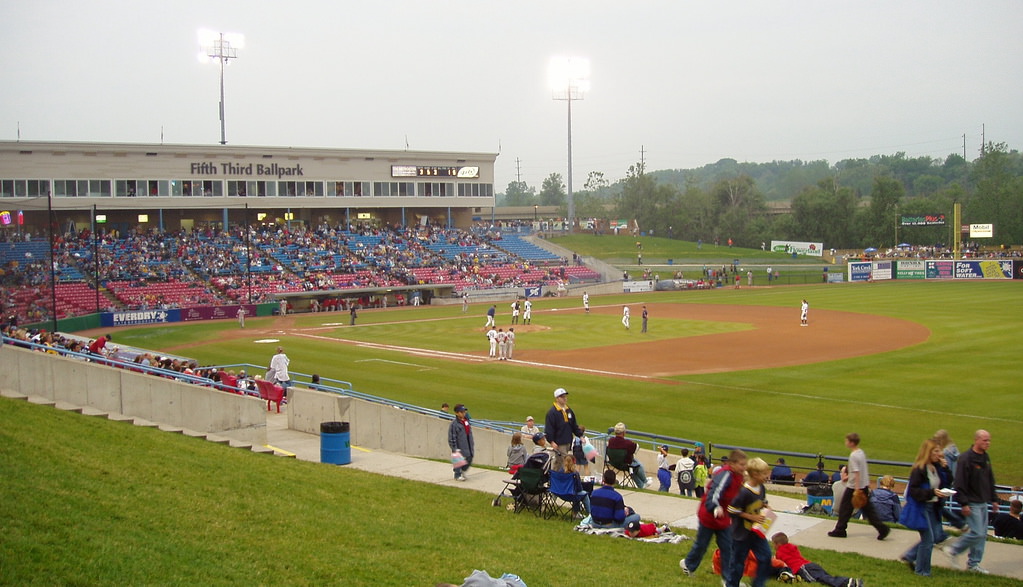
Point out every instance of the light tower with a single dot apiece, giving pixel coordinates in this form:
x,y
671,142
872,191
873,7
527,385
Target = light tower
x,y
569,80
220,48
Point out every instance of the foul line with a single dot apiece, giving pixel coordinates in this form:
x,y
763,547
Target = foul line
x,y
422,367
465,356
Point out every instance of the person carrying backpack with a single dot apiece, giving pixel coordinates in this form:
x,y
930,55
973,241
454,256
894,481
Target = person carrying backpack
x,y
685,474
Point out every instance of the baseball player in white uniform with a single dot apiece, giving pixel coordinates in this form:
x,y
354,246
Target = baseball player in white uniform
x,y
515,312
527,313
804,308
502,345
492,337
625,317
586,302
511,343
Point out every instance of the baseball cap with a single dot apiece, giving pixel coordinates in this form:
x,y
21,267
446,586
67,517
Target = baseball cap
x,y
560,392
529,418
633,526
537,437
459,408
664,446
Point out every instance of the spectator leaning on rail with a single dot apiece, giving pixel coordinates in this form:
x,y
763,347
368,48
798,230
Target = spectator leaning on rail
x,y
560,424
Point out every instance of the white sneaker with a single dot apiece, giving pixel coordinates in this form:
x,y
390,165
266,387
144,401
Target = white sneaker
x,y
460,478
685,569
951,554
979,569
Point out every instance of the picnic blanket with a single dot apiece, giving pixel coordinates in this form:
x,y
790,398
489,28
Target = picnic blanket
x,y
664,537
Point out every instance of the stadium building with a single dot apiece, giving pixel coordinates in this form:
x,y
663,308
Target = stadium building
x,y
173,187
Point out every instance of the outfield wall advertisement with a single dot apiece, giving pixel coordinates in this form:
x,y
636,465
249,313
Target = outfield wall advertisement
x,y
910,269
881,270
936,269
859,271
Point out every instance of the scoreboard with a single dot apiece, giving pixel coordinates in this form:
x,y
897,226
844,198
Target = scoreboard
x,y
460,172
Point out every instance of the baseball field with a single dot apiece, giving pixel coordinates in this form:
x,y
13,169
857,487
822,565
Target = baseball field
x,y
892,361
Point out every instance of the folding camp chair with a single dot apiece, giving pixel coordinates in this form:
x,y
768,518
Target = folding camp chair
x,y
531,492
614,459
563,489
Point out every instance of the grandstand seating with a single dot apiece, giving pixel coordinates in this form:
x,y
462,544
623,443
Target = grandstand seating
x,y
523,249
207,268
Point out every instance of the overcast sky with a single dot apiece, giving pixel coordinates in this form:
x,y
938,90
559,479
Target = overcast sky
x,y
686,82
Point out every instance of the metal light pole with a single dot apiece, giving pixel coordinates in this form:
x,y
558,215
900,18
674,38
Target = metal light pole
x,y
569,79
221,48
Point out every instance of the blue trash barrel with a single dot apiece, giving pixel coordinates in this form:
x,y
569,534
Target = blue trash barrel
x,y
821,494
335,446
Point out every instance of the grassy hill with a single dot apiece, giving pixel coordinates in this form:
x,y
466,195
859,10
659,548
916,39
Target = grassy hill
x,y
89,501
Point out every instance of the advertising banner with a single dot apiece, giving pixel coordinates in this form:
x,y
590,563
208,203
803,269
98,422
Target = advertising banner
x,y
137,317
1017,269
140,317
800,248
835,277
940,269
983,270
910,269
638,286
215,312
924,220
881,270
982,230
859,271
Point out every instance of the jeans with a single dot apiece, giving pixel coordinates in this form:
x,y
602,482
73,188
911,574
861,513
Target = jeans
x,y
740,550
702,542
639,474
460,470
976,538
920,554
633,517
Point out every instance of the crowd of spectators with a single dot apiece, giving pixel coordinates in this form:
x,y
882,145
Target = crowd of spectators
x,y
223,266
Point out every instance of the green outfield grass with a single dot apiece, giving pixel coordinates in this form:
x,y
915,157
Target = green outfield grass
x,y
964,377
621,250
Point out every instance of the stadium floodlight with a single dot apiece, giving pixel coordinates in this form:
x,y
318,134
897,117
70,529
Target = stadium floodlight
x,y
220,48
570,80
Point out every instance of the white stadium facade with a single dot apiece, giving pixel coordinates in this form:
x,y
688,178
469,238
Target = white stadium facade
x,y
172,187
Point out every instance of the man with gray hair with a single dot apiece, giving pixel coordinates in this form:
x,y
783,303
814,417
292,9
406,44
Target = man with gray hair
x,y
618,441
975,489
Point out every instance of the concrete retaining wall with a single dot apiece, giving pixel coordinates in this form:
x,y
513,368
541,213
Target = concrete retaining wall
x,y
243,418
378,426
137,395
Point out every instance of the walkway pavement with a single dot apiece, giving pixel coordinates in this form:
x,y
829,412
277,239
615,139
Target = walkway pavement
x,y
999,558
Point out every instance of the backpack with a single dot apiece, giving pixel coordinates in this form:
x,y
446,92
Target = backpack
x,y
685,478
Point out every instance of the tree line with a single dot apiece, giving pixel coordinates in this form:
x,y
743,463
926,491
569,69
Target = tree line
x,y
853,203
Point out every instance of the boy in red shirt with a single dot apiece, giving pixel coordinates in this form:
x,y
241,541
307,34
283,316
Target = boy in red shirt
x,y
809,572
713,515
